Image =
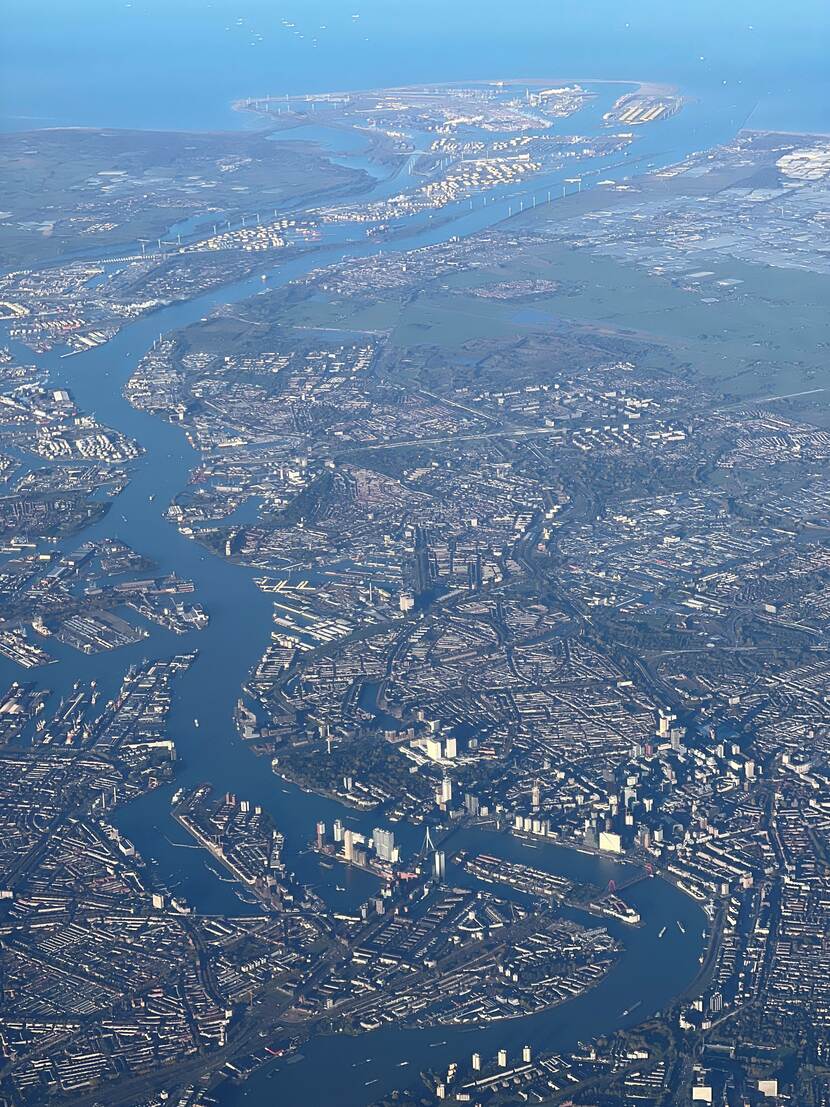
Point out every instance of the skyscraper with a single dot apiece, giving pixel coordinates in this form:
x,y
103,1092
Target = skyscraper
x,y
439,865
385,846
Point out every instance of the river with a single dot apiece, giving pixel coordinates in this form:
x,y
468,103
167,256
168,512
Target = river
x,y
650,972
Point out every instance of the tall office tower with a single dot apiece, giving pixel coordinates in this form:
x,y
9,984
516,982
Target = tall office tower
x,y
385,844
439,865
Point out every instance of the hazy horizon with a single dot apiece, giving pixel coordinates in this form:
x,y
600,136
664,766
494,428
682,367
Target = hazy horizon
x,y
142,63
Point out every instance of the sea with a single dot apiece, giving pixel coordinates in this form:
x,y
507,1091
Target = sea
x,y
178,64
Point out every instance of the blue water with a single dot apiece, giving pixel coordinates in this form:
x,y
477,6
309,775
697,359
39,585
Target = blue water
x,y
240,623
652,971
335,1069
156,64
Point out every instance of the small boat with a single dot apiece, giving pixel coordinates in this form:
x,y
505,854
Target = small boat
x,y
662,932
681,927
196,723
